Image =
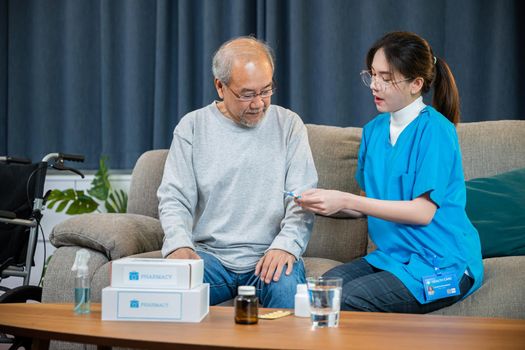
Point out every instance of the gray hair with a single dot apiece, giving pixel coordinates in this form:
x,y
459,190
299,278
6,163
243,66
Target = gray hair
x,y
244,46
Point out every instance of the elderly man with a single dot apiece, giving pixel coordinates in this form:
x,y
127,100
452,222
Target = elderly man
x,y
221,197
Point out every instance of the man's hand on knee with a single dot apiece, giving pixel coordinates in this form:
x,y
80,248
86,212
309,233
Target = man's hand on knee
x,y
272,263
183,253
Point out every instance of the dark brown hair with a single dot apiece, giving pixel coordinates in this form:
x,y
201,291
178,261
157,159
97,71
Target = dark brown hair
x,y
412,56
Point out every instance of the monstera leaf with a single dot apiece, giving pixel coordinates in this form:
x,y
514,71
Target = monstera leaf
x,y
79,202
117,202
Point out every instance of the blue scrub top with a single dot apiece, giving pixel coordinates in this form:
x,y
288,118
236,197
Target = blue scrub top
x,y
425,158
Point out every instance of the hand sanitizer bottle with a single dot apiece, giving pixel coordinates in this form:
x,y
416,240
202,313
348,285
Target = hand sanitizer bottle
x,y
82,284
302,302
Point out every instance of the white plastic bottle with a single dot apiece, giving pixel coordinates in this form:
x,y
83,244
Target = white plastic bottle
x,y
302,301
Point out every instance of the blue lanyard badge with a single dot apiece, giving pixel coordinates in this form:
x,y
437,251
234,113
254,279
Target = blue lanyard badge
x,y
440,285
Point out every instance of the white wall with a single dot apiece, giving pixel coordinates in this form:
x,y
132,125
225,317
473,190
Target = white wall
x,y
51,218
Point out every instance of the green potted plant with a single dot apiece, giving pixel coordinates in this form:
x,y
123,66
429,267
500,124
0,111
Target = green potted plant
x,y
81,202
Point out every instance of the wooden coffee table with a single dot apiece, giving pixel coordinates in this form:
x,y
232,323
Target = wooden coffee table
x,y
44,322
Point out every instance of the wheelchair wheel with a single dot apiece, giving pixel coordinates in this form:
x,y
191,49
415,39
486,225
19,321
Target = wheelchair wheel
x,y
20,294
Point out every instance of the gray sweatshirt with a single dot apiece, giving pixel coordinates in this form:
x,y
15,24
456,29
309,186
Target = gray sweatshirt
x,y
222,188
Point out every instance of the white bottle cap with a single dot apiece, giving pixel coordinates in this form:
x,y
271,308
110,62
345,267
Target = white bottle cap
x,y
302,289
246,290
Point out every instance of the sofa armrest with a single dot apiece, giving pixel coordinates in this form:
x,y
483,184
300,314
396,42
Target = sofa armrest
x,y
114,235
338,239
59,280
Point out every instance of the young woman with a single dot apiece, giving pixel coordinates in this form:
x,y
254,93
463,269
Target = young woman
x,y
428,253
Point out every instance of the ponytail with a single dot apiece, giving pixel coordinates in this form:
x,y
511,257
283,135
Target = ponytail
x,y
446,95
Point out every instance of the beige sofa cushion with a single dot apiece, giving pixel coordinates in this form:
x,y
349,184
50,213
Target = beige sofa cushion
x,y
491,147
335,155
145,180
335,150
501,294
316,267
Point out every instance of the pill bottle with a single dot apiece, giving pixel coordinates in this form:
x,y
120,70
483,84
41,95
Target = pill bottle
x,y
246,305
302,302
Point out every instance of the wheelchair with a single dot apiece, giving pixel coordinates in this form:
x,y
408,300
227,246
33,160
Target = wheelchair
x,y
22,200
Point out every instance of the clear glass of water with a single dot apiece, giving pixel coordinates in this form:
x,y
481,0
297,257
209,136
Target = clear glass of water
x,y
325,300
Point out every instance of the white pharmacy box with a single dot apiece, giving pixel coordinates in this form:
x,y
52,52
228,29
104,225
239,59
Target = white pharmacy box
x,y
158,305
157,273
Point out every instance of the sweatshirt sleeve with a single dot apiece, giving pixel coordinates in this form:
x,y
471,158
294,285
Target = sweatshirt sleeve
x,y
296,226
177,192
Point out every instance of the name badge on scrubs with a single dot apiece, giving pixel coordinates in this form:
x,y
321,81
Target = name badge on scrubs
x,y
440,285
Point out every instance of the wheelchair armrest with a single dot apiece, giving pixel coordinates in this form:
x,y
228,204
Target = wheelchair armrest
x,y
114,235
7,214
20,222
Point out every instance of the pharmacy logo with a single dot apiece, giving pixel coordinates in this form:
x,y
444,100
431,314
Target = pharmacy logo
x,y
134,304
133,276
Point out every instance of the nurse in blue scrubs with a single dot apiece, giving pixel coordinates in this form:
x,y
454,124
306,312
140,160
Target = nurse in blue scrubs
x,y
428,253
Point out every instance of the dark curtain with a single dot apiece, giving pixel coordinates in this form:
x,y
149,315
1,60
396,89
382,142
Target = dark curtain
x,y
3,77
108,77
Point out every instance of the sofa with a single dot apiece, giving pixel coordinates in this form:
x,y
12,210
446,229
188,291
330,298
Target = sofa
x,y
488,148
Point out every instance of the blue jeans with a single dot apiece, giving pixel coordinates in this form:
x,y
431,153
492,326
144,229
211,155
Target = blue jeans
x,y
224,283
